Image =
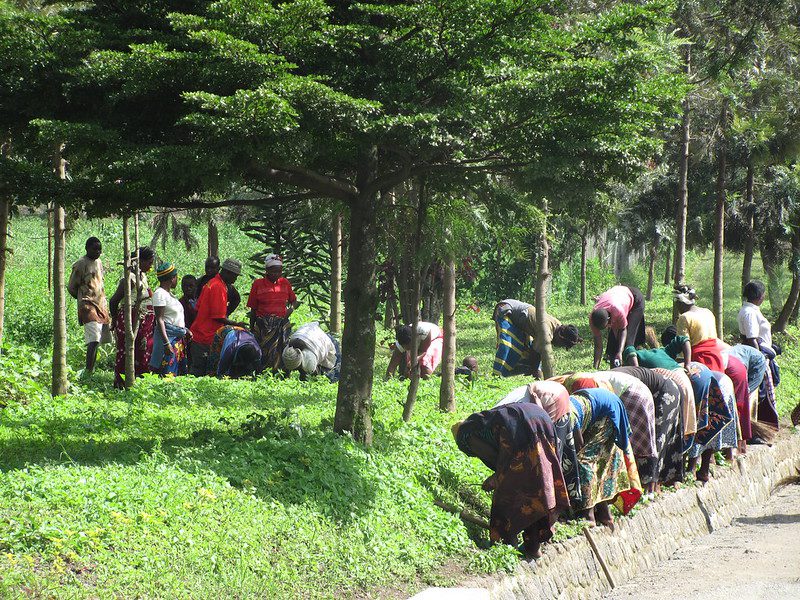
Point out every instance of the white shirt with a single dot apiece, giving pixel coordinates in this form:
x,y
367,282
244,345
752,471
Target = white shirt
x,y
753,324
173,309
318,342
520,394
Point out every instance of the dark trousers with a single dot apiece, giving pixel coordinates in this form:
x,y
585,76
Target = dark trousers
x,y
198,354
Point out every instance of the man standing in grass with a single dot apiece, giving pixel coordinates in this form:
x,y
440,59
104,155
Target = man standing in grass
x,y
212,306
87,287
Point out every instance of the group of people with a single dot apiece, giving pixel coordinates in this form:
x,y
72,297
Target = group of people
x,y
194,334
577,443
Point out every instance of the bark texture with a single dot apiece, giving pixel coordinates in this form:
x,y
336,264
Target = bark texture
x,y
59,382
719,225
418,195
5,208
354,398
127,305
682,203
544,339
213,235
447,390
584,250
750,240
667,270
336,274
651,270
791,303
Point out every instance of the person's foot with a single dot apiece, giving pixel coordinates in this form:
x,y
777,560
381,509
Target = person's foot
x,y
602,514
703,475
532,550
756,441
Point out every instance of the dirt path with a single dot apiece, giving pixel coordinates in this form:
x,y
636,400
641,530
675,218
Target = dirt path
x,y
757,557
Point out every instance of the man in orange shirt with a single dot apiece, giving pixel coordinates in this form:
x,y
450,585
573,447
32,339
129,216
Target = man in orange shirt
x,y
272,301
212,306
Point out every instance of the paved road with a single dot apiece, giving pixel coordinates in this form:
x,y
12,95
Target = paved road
x,y
756,558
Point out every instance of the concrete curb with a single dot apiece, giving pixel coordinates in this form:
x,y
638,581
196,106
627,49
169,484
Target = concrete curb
x,y
569,570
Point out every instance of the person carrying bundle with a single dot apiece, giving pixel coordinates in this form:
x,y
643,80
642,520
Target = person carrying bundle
x,y
518,347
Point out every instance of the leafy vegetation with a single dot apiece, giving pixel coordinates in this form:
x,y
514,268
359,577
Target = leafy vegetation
x,y
199,487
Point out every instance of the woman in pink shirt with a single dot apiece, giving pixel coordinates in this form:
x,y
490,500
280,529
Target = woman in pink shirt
x,y
620,309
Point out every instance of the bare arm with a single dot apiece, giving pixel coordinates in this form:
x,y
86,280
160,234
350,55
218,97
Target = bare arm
x,y
72,286
119,294
687,354
162,328
598,349
394,362
752,342
622,336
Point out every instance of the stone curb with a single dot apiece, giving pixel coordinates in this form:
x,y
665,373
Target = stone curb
x,y
569,570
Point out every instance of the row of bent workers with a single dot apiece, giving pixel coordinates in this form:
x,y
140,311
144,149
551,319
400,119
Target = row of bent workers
x,y
194,333
576,444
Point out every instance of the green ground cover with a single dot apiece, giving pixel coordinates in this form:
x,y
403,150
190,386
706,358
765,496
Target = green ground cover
x,y
202,488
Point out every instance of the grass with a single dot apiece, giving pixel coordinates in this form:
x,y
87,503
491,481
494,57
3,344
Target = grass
x,y
201,488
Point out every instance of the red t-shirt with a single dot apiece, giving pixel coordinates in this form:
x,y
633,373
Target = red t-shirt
x,y
267,298
211,305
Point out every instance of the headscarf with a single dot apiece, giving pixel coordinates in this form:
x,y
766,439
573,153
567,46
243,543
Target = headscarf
x,y
685,295
551,396
292,358
581,382
308,361
273,260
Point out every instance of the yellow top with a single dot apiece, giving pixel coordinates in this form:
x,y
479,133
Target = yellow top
x,y
698,324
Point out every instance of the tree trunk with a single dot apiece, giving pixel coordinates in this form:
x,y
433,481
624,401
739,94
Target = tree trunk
x,y
213,235
413,385
651,270
336,274
128,305
584,249
794,293
719,220
59,383
682,204
543,335
667,270
5,206
750,240
447,390
769,260
50,247
354,398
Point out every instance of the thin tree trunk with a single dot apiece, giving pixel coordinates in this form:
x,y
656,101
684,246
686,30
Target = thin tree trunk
x,y
770,264
447,390
213,235
354,398
336,274
413,384
791,303
750,240
667,270
719,220
682,204
50,247
128,304
651,271
543,334
59,383
584,249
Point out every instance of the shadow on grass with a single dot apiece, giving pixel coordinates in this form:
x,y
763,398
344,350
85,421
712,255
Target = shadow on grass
x,y
270,458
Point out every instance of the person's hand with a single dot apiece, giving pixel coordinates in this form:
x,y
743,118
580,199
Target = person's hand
x,y
169,349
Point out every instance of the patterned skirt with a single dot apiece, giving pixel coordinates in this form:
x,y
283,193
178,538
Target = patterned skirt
x,y
720,419
272,334
164,363
514,354
669,433
688,407
606,472
142,346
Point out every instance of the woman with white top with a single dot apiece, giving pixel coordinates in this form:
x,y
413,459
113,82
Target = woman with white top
x,y
171,336
757,332
312,352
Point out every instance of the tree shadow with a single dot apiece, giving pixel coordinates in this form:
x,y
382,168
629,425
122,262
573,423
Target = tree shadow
x,y
778,519
270,458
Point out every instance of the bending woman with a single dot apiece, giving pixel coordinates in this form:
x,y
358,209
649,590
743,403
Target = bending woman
x,y
620,309
606,464
517,442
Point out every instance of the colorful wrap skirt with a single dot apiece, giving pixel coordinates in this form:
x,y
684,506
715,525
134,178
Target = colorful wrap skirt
x,y
688,407
515,354
164,363
767,409
716,428
142,346
606,472
272,334
669,432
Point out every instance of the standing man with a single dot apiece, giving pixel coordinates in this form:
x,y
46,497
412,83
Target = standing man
x,y
87,287
212,268
621,310
212,314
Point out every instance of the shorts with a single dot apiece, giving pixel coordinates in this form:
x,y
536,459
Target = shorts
x,y
96,332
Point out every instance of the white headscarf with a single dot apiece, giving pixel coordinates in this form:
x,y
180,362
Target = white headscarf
x,y
309,361
273,260
292,358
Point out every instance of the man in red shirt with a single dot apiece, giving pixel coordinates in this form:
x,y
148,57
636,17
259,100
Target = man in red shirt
x,y
272,301
211,309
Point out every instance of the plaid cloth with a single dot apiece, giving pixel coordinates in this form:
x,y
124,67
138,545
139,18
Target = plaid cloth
x,y
641,410
722,422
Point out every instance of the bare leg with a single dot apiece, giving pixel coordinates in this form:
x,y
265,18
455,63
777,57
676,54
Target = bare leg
x,y
531,542
603,514
588,515
705,466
